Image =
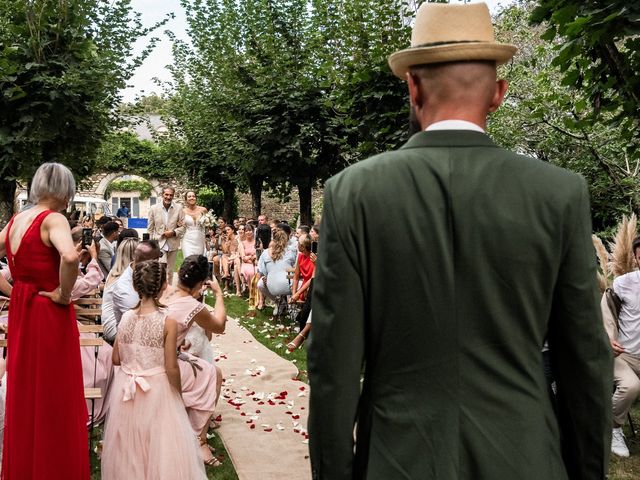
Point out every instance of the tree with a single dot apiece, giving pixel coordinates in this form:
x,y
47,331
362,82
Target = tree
x,y
62,64
545,118
599,54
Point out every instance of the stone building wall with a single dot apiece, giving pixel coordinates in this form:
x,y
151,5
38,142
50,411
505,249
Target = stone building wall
x,y
274,208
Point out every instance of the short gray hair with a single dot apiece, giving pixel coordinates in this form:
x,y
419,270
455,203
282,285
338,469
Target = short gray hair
x,y
52,180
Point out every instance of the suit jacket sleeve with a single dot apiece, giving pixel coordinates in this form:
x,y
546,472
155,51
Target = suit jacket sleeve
x,y
179,231
336,348
151,224
104,256
580,351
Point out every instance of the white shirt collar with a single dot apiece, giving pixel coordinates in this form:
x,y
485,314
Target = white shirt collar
x,y
454,125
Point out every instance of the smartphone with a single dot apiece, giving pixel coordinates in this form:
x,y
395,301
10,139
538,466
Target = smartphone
x,y
314,247
87,236
145,236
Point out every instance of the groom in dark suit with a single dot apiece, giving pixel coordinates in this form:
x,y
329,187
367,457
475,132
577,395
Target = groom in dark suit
x,y
425,358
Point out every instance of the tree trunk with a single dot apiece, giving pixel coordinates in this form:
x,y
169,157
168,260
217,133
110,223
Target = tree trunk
x,y
255,185
304,194
7,195
229,191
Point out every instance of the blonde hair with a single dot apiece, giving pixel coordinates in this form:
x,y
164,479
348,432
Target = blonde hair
x,y
52,180
148,279
124,257
278,245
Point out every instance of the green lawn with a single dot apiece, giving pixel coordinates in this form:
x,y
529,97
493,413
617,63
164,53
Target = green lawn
x,y
628,468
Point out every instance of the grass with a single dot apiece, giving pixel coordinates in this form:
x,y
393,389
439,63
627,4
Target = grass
x,y
273,334
628,468
223,472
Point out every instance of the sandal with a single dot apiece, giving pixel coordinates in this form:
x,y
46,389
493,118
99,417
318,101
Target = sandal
x,y
208,458
292,345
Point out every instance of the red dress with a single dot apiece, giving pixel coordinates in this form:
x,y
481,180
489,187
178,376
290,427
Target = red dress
x,y
45,432
306,270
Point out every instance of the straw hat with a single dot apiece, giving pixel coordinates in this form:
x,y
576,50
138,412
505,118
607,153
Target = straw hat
x,y
450,33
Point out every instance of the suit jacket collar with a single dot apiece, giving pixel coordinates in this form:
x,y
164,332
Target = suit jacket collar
x,y
449,138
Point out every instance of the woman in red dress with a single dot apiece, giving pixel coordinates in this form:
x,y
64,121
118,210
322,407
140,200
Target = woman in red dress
x,y
45,432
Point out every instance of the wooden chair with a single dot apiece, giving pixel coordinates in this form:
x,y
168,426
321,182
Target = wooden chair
x,y
92,393
89,310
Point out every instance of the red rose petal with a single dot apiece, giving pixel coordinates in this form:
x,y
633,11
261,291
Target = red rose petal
x,y
268,429
252,426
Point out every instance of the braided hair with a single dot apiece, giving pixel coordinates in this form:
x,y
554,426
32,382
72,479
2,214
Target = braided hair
x,y
148,279
193,270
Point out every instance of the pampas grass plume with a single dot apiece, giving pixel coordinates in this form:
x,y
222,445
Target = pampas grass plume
x,y
604,275
622,260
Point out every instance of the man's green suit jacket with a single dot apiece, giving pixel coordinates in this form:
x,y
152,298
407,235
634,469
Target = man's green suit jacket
x,y
442,268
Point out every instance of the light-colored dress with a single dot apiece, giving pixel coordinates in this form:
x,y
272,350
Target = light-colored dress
x,y
197,375
248,269
193,241
200,344
147,433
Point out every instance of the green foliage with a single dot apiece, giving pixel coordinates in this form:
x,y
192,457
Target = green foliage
x,y
212,198
62,64
142,186
547,119
599,54
123,151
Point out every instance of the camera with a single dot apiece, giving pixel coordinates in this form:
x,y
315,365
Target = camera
x,y
87,236
314,247
145,236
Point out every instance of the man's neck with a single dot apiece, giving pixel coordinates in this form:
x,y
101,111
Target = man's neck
x,y
475,117
166,207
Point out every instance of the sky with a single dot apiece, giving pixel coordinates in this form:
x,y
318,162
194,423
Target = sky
x,y
142,82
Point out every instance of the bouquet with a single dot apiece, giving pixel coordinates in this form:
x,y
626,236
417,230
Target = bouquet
x,y
207,220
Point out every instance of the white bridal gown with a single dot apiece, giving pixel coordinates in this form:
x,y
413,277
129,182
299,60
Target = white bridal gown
x,y
193,239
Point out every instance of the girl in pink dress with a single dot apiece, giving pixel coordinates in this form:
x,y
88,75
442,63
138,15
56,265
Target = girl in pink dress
x,y
147,433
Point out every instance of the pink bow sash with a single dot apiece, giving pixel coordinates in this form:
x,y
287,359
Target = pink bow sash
x,y
137,379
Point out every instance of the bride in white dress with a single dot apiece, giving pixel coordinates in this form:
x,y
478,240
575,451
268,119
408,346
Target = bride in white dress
x,y
193,241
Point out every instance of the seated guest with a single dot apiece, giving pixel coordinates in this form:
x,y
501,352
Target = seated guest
x,y
292,242
304,315
124,295
272,269
231,257
126,233
625,342
302,229
248,256
147,434
315,233
305,267
107,250
263,234
201,381
124,255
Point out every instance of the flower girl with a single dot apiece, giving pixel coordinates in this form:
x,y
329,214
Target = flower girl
x,y
147,433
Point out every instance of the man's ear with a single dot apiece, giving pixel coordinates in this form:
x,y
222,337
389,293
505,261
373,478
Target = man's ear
x,y
498,95
415,90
